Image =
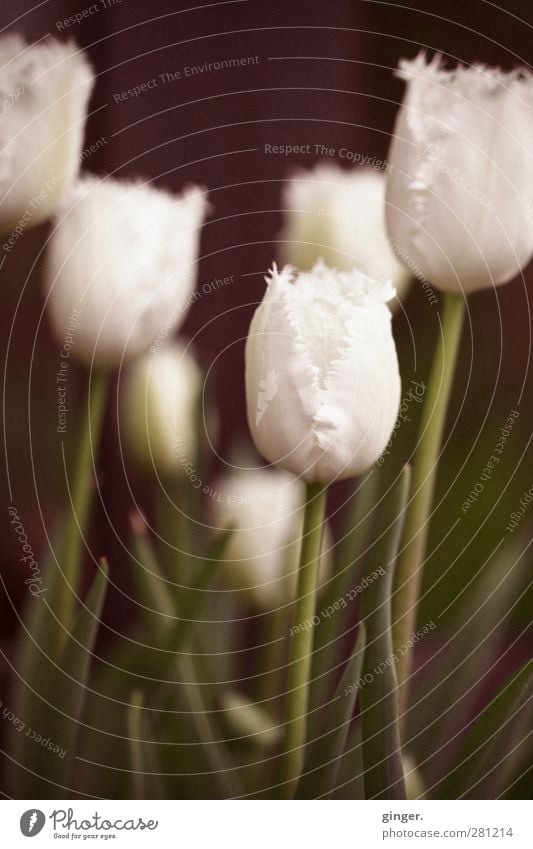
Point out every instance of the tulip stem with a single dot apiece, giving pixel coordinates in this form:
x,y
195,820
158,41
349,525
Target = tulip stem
x,y
80,489
293,753
410,563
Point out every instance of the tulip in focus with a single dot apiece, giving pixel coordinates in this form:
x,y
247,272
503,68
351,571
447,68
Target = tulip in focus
x,y
460,190
322,378
160,397
124,255
265,508
45,91
339,216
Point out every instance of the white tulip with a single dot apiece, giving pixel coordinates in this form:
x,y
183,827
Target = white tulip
x,y
44,89
460,192
124,255
160,399
265,508
339,216
322,379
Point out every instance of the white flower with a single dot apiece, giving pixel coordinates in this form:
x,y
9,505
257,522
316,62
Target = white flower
x,y
460,193
321,343
339,216
160,403
125,255
265,507
44,92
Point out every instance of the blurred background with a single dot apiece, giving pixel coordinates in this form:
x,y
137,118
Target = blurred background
x,y
322,74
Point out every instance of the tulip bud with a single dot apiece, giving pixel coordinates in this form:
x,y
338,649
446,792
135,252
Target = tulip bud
x,y
460,192
124,255
265,508
45,89
322,378
339,216
160,396
249,722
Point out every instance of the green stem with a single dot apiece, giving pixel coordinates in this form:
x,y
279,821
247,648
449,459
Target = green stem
x,y
302,641
408,576
81,494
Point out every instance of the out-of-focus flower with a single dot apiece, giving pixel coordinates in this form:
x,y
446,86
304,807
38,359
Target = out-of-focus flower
x,y
248,721
460,192
124,255
160,399
339,216
265,508
44,92
322,378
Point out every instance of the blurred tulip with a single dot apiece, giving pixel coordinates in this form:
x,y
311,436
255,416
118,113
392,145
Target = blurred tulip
x,y
460,192
124,255
339,216
322,379
249,722
45,89
265,508
160,399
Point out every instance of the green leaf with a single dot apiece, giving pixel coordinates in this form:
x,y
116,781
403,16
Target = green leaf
x,y
75,663
350,780
495,742
325,752
194,599
48,697
445,695
156,602
349,558
222,769
147,782
379,692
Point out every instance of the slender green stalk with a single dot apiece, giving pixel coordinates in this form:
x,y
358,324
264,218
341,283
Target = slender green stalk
x,y
424,471
81,493
302,641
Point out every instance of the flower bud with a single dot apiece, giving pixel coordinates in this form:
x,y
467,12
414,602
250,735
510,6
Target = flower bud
x,y
249,722
322,378
339,216
265,508
160,398
124,255
460,192
44,92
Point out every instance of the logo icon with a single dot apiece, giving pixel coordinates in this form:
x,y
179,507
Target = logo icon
x,y
32,822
